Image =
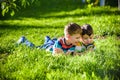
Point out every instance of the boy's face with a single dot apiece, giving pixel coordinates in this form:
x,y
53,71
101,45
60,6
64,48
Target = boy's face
x,y
86,39
74,39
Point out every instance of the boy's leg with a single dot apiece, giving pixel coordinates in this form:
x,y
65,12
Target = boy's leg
x,y
47,38
30,44
48,42
54,39
24,41
21,40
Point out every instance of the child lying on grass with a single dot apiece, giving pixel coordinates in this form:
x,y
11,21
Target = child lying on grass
x,y
64,45
86,42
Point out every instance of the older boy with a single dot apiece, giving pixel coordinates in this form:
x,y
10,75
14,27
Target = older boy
x,y
66,45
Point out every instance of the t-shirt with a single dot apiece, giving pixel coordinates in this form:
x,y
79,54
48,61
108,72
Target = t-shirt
x,y
61,43
82,47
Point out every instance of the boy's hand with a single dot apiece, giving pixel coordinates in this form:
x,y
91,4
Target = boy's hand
x,y
58,50
90,48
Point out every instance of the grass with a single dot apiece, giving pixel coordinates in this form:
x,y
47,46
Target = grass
x,y
35,22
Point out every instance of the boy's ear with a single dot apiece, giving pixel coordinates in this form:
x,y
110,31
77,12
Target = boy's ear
x,y
68,36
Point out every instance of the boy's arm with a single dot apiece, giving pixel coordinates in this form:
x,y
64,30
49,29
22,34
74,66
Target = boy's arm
x,y
57,48
71,51
91,47
81,50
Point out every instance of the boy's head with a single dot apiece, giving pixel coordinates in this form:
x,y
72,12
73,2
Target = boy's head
x,y
87,34
72,33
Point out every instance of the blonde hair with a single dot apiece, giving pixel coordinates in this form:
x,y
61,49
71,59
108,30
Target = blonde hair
x,y
72,29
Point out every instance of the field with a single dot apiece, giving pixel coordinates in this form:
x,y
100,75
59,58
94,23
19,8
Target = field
x,y
44,18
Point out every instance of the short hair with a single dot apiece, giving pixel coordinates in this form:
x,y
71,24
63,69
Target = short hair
x,y
87,29
72,29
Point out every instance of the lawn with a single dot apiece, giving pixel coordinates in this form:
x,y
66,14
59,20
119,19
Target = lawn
x,y
43,18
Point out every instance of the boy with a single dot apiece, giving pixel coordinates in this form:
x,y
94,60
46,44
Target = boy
x,y
87,42
66,44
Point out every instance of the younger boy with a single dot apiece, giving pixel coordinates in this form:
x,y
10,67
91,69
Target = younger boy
x,y
87,42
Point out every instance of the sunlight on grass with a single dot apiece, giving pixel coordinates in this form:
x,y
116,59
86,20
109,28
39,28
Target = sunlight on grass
x,y
22,63
108,25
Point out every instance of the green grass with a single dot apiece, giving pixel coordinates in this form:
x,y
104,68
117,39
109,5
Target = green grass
x,y
35,22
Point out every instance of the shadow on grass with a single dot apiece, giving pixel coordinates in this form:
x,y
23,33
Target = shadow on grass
x,y
5,51
37,14
6,29
113,74
17,27
42,9
89,13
